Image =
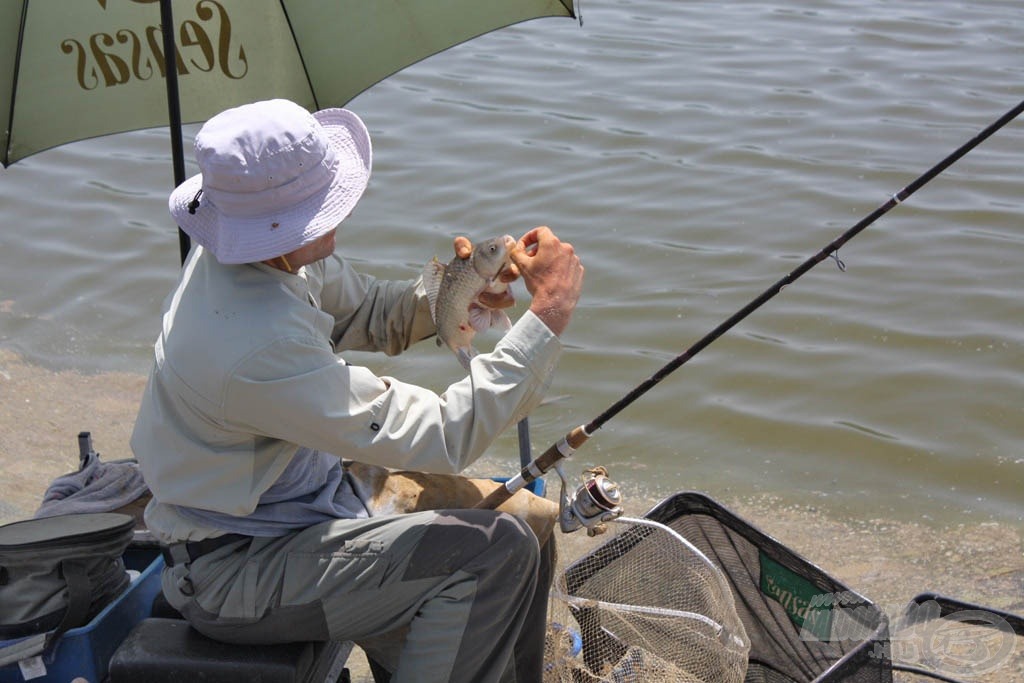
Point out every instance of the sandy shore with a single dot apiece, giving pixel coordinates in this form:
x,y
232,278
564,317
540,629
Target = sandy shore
x,y
42,412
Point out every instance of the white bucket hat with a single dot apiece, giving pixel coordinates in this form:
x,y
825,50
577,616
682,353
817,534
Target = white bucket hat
x,y
273,177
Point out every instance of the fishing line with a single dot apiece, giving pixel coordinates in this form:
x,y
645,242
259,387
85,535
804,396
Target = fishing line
x,y
579,435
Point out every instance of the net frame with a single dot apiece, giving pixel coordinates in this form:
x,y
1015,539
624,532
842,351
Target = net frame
x,y
648,606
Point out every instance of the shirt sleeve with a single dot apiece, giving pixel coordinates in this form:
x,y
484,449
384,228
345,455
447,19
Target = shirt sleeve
x,y
373,314
302,393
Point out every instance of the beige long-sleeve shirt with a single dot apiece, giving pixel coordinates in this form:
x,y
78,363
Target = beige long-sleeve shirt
x,y
247,371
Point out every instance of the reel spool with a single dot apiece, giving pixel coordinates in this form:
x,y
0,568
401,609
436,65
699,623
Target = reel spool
x,y
596,501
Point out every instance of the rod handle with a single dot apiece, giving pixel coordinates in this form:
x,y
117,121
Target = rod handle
x,y
541,464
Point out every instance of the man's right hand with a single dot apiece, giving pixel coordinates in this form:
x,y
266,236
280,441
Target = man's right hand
x,y
553,276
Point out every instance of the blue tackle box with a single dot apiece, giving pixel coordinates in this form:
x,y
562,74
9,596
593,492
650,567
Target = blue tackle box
x,y
82,654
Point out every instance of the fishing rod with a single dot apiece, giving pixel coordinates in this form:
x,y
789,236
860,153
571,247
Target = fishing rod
x,y
601,496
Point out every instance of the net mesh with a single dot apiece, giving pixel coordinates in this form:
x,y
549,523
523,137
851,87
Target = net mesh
x,y
633,607
646,605
803,624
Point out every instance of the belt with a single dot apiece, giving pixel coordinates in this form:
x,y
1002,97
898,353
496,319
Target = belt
x,y
190,551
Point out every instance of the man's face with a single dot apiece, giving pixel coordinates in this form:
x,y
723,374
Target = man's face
x,y
314,251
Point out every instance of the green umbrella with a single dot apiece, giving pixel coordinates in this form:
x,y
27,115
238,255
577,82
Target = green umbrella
x,y
77,69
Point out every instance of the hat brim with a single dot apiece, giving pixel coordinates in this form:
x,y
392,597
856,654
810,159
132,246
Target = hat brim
x,y
249,239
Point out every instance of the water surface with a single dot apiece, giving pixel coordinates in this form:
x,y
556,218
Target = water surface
x,y
694,153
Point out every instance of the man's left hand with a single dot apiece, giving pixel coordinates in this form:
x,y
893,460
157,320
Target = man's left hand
x,y
503,299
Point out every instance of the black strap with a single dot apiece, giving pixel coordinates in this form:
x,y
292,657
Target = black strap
x,y
76,576
185,553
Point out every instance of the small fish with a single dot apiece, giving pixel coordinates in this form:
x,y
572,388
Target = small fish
x,y
453,290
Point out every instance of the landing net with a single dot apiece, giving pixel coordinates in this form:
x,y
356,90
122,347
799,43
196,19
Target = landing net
x,y
645,606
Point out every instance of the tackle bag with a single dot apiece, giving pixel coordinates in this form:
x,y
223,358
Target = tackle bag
x,y
57,573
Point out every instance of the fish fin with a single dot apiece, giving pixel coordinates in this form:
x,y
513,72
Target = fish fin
x,y
433,276
500,320
465,354
479,317
483,319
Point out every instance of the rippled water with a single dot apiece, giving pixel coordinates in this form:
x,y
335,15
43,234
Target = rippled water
x,y
694,153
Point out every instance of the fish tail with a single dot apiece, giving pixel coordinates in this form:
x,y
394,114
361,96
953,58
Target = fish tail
x,y
433,276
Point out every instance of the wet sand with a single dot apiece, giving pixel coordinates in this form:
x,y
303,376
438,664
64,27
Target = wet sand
x,y
42,412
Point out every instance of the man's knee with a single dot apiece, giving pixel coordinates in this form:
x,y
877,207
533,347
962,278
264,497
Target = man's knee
x,y
517,534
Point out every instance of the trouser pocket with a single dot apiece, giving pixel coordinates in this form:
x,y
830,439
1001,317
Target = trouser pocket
x,y
357,566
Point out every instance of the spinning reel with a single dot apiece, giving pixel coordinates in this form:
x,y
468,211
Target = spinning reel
x,y
596,501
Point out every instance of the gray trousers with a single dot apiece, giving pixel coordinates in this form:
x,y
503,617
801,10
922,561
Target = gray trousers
x,y
442,595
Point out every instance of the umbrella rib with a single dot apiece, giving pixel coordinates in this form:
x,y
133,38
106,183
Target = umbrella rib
x,y
302,58
14,82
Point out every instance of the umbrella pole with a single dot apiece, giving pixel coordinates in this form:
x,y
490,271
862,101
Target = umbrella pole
x,y
565,447
174,108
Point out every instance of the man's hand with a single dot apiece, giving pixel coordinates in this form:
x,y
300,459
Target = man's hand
x,y
463,247
553,275
503,299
